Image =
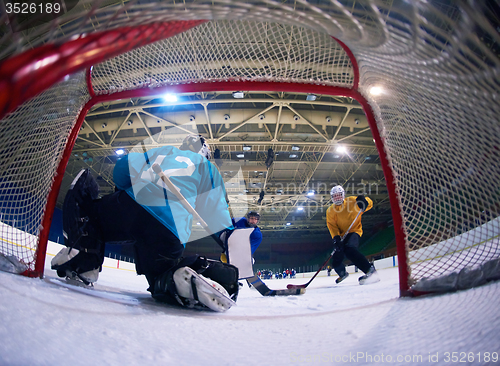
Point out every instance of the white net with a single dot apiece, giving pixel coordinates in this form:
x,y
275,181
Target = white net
x,y
438,122
32,141
437,62
230,50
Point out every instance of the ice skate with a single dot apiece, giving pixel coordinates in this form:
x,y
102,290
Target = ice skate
x,y
370,277
342,278
65,263
86,279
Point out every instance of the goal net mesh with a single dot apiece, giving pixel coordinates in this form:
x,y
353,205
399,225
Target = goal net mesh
x,y
437,115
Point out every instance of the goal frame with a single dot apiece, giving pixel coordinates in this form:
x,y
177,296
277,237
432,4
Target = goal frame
x,y
104,45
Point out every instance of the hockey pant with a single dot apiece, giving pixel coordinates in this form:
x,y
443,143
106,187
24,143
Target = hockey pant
x,y
348,248
124,221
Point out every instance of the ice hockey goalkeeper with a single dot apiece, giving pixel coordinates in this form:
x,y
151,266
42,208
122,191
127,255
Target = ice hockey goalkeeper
x,y
143,212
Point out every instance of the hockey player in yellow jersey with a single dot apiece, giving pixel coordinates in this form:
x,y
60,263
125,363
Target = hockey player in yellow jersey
x,y
339,217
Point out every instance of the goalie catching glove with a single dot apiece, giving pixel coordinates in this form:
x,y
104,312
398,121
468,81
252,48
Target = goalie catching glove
x,y
198,283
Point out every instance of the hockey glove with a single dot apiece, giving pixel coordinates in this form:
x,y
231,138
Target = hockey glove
x,y
337,241
223,258
362,202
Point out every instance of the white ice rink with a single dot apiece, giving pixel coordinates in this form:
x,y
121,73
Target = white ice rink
x,y
45,324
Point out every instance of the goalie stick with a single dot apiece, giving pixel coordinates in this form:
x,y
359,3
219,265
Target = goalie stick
x,y
324,264
255,280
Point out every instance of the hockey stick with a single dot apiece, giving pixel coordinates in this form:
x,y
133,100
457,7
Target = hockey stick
x,y
185,203
255,280
330,257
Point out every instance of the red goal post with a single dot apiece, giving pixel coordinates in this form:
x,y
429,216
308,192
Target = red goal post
x,y
435,127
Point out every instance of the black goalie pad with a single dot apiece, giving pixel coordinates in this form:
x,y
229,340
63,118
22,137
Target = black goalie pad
x,y
80,232
225,274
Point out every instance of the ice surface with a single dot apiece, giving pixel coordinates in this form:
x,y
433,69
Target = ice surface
x,y
45,324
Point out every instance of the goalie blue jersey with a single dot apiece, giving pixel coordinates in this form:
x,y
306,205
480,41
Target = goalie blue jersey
x,y
195,177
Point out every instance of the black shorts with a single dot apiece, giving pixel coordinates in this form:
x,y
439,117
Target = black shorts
x,y
123,220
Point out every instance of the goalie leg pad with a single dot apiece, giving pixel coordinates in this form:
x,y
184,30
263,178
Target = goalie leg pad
x,y
195,288
80,230
72,263
166,288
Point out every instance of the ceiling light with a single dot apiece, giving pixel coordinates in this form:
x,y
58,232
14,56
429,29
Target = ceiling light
x,y
288,224
300,208
293,156
119,152
247,148
341,149
376,90
238,95
295,148
311,97
171,98
241,156
310,193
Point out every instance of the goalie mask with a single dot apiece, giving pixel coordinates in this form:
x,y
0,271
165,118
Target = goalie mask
x,y
338,195
197,144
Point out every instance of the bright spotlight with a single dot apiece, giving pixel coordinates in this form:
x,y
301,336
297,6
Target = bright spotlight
x,y
376,90
171,98
341,149
120,152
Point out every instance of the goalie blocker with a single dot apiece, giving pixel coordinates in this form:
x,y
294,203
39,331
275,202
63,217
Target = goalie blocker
x,y
238,251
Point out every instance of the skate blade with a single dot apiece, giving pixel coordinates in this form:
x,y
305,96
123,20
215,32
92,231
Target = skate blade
x,y
374,278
